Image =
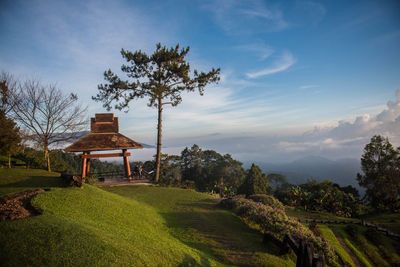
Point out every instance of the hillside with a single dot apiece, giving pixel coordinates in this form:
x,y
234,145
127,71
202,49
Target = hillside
x,y
142,226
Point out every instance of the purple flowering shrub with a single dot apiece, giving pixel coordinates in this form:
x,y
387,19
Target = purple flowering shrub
x,y
267,200
275,221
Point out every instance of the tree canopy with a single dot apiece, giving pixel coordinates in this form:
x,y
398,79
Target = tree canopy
x,y
9,136
255,182
380,164
160,77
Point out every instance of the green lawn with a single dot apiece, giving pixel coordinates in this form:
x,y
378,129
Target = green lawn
x,y
125,226
194,219
16,180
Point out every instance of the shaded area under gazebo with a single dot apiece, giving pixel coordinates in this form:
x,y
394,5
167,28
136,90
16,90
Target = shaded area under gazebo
x,y
104,136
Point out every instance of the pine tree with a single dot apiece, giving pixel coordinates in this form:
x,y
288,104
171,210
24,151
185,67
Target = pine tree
x,y
161,77
254,183
380,164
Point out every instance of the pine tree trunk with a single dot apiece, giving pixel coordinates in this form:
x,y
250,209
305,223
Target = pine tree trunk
x,y
47,156
159,135
9,160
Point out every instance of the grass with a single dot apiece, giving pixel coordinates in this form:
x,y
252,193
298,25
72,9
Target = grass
x,y
17,180
330,236
194,219
349,241
125,226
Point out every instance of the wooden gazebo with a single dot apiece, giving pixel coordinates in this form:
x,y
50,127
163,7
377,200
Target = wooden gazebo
x,y
104,135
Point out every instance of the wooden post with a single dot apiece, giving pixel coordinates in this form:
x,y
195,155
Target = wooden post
x,y
88,167
84,160
126,164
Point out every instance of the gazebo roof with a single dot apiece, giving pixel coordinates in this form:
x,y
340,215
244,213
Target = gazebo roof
x,y
104,136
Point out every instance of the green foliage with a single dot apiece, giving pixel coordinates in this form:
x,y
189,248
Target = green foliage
x,y
276,222
9,136
254,183
211,170
380,164
267,200
325,196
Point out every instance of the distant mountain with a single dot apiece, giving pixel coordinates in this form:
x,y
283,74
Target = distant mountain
x,y
147,146
342,171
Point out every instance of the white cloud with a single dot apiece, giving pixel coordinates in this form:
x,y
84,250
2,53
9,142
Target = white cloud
x,y
231,134
282,64
308,86
246,17
263,51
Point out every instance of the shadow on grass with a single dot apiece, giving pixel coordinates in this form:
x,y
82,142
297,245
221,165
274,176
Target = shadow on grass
x,y
189,261
37,181
218,232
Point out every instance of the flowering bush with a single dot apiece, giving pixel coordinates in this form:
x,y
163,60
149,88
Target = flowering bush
x,y
275,221
267,200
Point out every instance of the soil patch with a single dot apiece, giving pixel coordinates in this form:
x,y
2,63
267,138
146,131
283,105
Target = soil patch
x,y
18,206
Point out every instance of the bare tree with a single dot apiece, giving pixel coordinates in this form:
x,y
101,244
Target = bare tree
x,y
49,116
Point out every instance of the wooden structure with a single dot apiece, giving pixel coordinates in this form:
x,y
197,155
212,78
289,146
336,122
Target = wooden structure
x,y
104,135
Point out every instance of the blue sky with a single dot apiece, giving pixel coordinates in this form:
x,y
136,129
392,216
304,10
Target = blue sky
x,y
298,77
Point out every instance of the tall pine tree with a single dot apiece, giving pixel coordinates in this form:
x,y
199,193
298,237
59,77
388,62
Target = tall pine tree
x,y
161,78
254,183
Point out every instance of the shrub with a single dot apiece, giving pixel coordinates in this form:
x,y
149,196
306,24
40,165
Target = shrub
x,y
267,200
276,222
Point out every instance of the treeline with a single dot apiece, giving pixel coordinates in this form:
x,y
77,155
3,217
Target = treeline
x,y
62,161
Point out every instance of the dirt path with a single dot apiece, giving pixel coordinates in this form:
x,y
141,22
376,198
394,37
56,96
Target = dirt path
x,y
18,206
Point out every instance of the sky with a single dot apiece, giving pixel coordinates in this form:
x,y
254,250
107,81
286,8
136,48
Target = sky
x,y
298,78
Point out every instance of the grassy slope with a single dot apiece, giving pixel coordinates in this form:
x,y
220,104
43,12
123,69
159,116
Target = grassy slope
x,y
16,180
92,227
193,219
342,253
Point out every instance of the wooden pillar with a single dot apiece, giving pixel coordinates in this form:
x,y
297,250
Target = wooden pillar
x,y
88,167
84,167
126,164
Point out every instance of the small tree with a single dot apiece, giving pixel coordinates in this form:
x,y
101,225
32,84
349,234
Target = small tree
x,y
9,136
254,183
380,164
49,116
161,77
